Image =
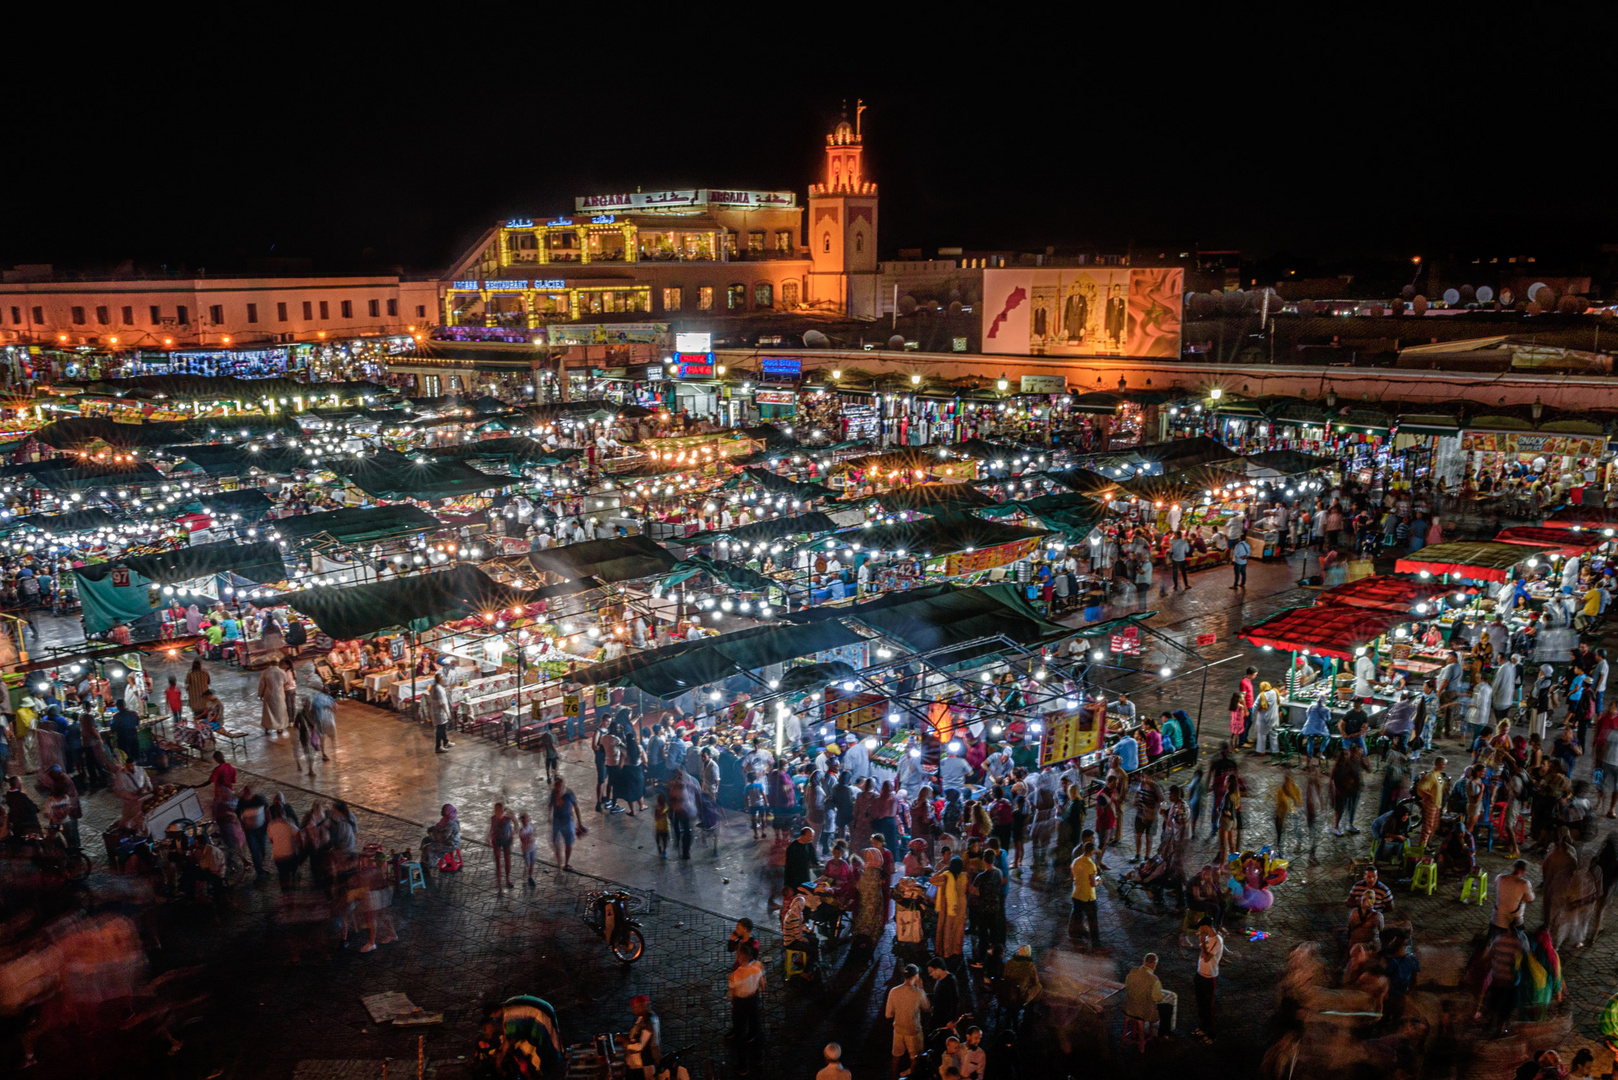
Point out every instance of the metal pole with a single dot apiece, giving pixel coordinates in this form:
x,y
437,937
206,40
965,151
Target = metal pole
x,y
1201,701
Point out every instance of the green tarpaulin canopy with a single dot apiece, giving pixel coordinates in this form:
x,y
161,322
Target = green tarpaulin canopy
x,y
356,525
1483,560
217,459
995,455
1184,485
931,537
225,388
67,474
674,669
392,475
943,615
625,558
764,478
418,603
733,574
933,498
60,524
756,531
514,450
250,503
261,563
1284,463
78,432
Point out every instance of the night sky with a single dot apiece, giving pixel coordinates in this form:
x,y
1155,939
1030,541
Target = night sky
x,y
1406,137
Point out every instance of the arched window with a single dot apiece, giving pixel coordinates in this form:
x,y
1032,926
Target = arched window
x,y
826,244
789,294
859,241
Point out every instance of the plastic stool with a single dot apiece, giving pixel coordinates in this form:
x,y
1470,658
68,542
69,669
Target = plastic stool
x,y
1475,889
797,963
1426,879
414,877
1136,1032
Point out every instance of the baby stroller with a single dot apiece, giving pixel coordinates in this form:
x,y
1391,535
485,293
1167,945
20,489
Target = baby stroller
x,y
1157,876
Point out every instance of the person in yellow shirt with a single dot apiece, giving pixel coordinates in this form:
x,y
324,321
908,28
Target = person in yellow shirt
x,y
1592,608
1432,790
1085,877
950,903
1287,799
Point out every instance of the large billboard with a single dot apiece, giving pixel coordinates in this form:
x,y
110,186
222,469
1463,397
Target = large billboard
x,y
1123,311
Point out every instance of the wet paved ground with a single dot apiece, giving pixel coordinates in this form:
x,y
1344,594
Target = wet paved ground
x,y
464,945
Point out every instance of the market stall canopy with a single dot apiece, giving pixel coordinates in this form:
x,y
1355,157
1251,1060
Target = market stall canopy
x,y
672,670
994,454
388,474
1387,592
933,498
813,676
513,450
217,459
1081,481
1584,517
261,563
1271,463
1484,560
941,616
758,531
418,602
557,409
1324,629
1184,453
71,474
355,525
917,461
250,503
624,558
1185,485
80,432
225,388
1561,541
769,481
733,574
771,436
932,537
61,524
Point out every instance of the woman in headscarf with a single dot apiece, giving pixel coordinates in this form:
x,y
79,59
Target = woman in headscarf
x,y
950,903
442,837
871,912
193,620
861,821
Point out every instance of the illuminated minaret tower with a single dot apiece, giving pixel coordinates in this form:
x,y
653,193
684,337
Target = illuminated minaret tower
x,y
842,227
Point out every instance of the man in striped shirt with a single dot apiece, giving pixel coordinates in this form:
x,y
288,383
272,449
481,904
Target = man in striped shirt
x,y
1370,884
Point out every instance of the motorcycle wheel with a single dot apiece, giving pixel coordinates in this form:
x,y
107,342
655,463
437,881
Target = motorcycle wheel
x,y
76,865
629,947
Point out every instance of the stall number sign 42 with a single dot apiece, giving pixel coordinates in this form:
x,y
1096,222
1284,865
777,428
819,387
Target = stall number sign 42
x,y
120,577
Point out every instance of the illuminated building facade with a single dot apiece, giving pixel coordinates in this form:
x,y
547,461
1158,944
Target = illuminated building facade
x,y
691,252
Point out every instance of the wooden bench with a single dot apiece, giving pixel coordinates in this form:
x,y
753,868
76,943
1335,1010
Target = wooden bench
x,y
236,739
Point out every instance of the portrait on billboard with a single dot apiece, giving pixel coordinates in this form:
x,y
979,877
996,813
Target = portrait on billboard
x,y
1089,312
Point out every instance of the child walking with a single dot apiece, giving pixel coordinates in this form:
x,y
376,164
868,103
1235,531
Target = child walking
x,y
757,803
660,819
530,852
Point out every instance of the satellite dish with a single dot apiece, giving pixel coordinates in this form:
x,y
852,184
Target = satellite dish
x,y
1485,294
897,341
1452,297
1533,290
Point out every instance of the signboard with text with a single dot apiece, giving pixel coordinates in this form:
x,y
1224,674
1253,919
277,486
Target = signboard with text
x,y
1529,442
1044,384
1127,641
971,562
691,342
695,365
774,397
657,200
780,367
1068,734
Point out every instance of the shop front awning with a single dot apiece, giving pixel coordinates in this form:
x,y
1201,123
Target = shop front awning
x,y
1323,629
1273,463
672,670
355,525
1559,541
624,558
419,602
1482,560
1387,592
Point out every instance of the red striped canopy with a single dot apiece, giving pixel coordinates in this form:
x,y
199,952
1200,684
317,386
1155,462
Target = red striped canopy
x,y
1385,591
1561,541
1481,560
1324,629
1588,517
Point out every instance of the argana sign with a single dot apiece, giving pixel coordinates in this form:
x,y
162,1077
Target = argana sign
x,y
657,200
